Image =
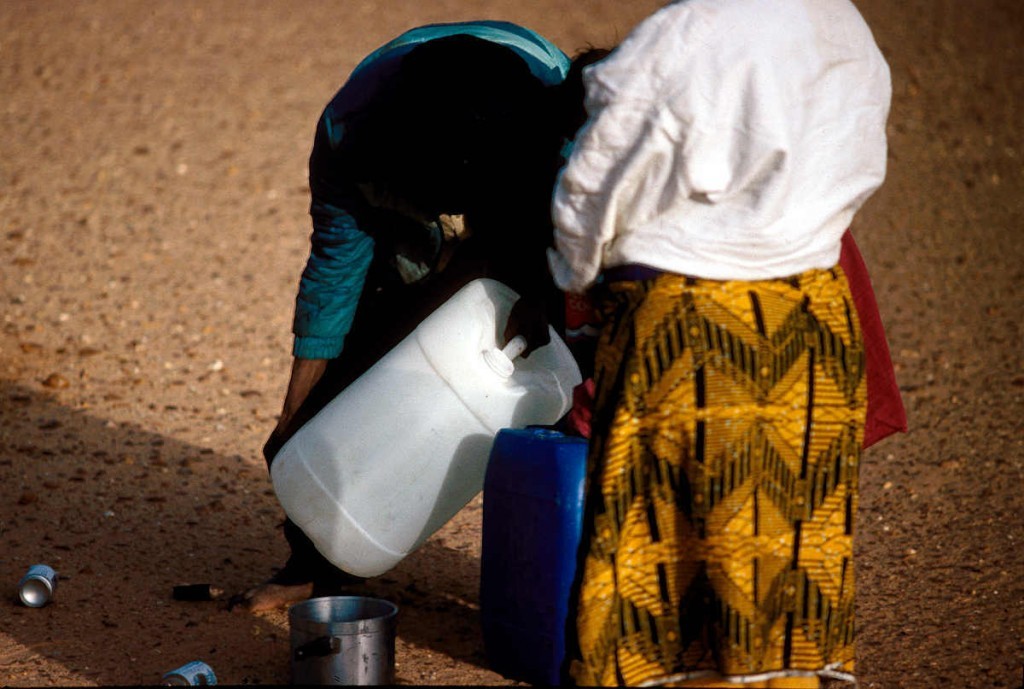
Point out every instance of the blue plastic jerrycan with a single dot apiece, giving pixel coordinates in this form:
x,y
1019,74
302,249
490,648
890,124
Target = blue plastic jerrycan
x,y
532,519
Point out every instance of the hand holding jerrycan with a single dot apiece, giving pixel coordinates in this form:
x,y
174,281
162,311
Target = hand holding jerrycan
x,y
404,447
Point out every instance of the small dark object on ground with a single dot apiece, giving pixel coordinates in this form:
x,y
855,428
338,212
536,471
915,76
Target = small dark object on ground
x,y
196,592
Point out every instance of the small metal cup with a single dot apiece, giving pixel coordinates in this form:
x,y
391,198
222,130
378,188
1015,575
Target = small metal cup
x,y
37,586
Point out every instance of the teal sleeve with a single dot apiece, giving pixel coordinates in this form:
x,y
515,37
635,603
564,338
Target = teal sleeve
x,y
331,283
339,258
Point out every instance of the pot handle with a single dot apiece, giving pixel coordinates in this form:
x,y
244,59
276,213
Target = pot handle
x,y
318,647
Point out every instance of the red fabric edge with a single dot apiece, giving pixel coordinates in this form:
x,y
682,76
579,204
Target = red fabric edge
x,y
885,414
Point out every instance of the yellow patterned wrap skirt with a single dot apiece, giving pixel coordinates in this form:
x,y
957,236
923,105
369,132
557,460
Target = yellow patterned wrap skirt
x,y
722,484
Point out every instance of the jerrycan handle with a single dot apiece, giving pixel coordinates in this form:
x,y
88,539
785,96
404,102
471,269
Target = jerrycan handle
x,y
500,360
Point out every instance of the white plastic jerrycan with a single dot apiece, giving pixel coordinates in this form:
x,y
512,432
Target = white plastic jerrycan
x,y
402,449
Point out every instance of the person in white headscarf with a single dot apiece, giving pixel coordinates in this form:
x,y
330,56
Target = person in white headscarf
x,y
729,145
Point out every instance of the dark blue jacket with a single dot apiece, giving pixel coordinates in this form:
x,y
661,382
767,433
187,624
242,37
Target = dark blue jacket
x,y
342,242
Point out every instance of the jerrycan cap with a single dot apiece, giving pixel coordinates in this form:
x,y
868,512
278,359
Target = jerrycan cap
x,y
500,360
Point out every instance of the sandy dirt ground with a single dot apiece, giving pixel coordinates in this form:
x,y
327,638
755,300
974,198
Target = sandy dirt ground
x,y
153,223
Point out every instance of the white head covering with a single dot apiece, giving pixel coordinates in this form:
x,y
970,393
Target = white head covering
x,y
728,139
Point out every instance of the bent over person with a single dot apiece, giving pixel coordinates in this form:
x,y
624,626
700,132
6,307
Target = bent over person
x,y
730,144
433,165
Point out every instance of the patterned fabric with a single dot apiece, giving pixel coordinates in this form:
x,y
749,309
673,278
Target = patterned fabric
x,y
722,483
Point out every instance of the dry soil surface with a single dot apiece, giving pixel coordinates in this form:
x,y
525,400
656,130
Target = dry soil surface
x,y
153,224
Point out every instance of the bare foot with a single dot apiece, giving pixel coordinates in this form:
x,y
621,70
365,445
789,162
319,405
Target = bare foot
x,y
270,596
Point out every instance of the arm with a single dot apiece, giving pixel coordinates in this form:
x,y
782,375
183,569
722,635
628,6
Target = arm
x,y
336,271
331,283
539,304
514,243
339,258
305,374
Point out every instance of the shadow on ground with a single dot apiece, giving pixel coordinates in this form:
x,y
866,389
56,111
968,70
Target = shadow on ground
x,y
125,514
